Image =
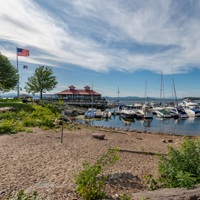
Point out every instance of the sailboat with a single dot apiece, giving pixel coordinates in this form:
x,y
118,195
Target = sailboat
x,y
117,101
162,113
146,108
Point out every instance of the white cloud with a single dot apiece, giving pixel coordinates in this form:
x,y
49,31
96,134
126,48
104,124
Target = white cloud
x,y
87,30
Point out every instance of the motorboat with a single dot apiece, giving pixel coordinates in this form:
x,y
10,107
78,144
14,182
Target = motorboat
x,y
121,107
137,105
156,108
138,114
89,114
107,113
162,113
188,103
192,112
152,104
180,112
146,111
128,113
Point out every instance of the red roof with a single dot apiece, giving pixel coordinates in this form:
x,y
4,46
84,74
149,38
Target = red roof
x,y
71,87
87,87
78,92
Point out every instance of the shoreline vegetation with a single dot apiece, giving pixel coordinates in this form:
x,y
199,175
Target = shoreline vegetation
x,y
33,158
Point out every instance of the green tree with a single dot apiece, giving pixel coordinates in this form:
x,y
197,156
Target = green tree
x,y
41,81
9,76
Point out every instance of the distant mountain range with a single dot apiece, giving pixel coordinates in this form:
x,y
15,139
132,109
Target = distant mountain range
x,y
11,95
132,97
129,97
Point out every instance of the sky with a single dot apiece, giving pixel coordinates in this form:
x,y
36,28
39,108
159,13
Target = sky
x,y
118,43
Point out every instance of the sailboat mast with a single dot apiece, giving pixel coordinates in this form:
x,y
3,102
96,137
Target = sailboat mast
x,y
145,92
172,87
161,88
92,94
118,93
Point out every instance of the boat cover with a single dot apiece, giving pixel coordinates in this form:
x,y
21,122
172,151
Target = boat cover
x,y
195,110
90,113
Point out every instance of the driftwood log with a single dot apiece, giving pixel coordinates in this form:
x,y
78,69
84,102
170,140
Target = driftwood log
x,y
143,152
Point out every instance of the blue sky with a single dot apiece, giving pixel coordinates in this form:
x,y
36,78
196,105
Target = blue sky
x,y
111,43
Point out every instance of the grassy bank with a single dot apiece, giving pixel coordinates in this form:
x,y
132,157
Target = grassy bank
x,y
10,100
27,115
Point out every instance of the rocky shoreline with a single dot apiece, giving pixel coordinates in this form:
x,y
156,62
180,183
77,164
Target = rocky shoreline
x,y
29,160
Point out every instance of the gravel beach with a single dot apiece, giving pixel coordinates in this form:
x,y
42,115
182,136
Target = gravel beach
x,y
29,159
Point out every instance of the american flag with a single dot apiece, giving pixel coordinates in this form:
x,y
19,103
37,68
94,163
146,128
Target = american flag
x,y
22,52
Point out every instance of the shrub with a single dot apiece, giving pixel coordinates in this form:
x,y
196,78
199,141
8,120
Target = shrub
x,y
29,130
182,166
89,187
21,195
29,122
125,197
7,115
31,116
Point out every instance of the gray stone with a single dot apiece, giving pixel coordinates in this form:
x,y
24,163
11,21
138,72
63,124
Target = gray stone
x,y
169,194
8,108
98,136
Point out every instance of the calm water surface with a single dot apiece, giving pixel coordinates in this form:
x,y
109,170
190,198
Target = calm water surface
x,y
188,126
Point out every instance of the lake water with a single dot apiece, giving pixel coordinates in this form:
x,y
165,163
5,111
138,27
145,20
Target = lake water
x,y
188,126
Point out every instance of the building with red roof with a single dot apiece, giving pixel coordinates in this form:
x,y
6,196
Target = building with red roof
x,y
86,94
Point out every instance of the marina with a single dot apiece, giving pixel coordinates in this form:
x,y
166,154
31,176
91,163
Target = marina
x,y
170,124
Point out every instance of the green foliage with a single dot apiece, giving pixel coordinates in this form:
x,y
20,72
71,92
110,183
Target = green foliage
x,y
89,187
29,130
181,168
11,126
28,116
8,74
42,81
10,100
7,115
125,197
30,122
152,183
60,102
21,195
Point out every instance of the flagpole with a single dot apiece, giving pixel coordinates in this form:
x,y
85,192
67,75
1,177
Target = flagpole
x,y
18,73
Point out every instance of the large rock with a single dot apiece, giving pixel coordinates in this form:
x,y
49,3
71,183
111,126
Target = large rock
x,y
169,194
8,108
98,136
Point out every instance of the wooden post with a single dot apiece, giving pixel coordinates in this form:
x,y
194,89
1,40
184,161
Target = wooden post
x,y
63,113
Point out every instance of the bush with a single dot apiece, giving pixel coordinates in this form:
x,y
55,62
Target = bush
x,y
182,166
21,195
10,126
29,122
30,115
7,115
89,187
29,130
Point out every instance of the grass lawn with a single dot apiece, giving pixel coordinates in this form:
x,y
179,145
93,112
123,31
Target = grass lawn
x,y
10,104
10,100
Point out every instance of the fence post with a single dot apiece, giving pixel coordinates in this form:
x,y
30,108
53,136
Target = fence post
x,y
63,113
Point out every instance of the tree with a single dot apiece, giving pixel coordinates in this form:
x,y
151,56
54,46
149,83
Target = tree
x,y
9,76
41,81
